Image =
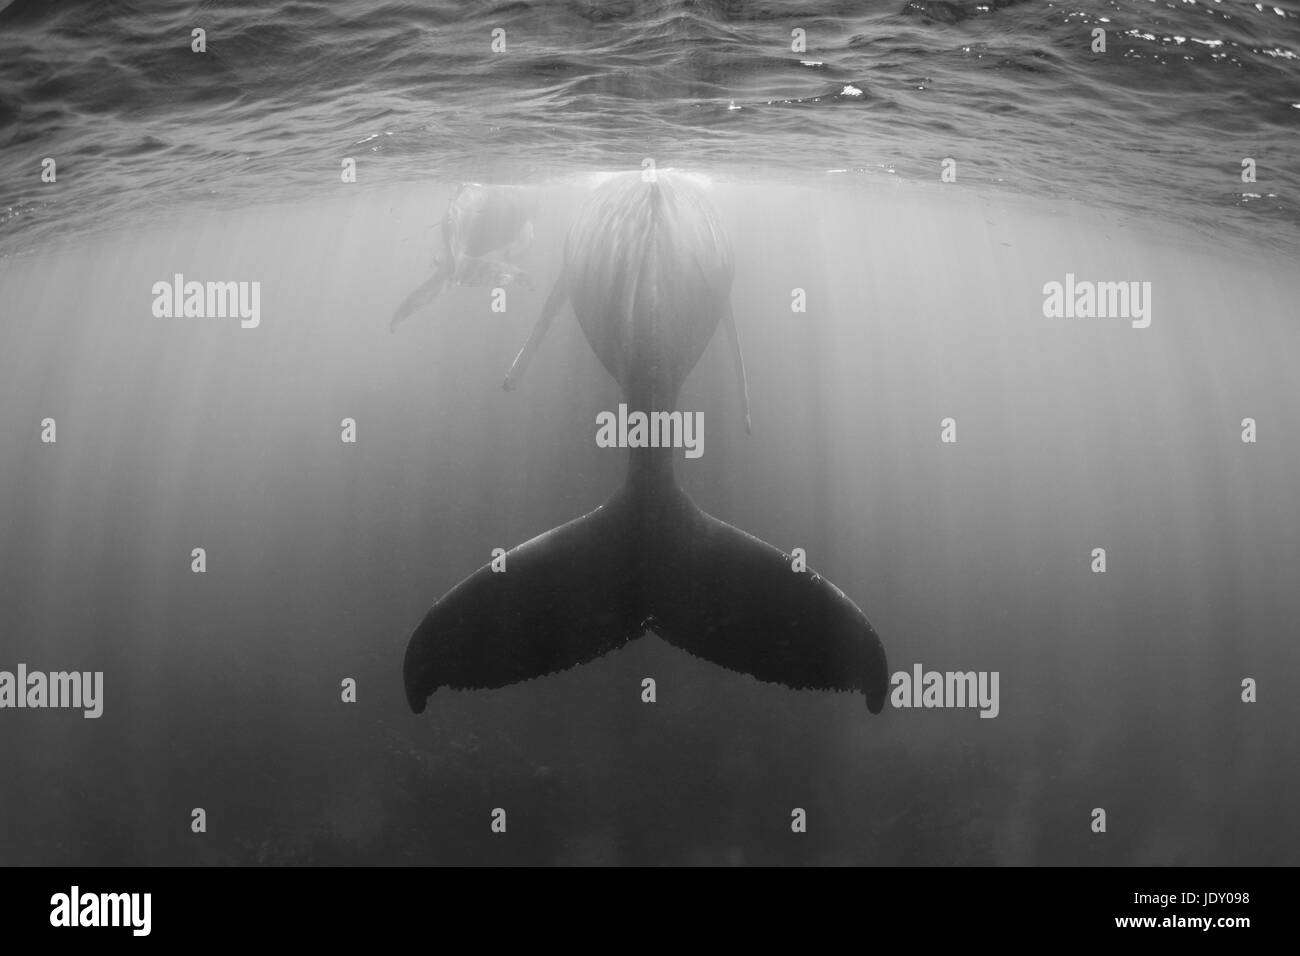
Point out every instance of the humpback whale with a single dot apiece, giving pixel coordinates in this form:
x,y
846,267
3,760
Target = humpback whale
x,y
648,270
484,229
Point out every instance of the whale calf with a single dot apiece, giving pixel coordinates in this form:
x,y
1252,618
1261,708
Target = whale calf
x,y
648,270
484,229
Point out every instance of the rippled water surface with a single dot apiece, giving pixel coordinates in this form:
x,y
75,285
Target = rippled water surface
x,y
1158,125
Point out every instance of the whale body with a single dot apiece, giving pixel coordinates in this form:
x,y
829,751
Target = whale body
x,y
648,270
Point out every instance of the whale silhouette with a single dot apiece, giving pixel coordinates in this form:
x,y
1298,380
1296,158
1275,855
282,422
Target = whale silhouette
x,y
648,269
484,229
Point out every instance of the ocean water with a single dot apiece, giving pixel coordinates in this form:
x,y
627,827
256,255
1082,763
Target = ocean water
x,y
925,301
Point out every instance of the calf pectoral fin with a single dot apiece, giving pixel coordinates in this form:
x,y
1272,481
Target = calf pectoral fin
x,y
733,336
425,293
564,598
732,599
554,302
521,242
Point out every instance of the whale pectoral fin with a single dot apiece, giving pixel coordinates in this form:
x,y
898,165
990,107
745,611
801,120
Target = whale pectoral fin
x,y
425,293
733,336
565,598
554,302
735,601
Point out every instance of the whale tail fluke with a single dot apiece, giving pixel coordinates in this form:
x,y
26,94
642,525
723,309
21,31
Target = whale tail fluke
x,y
735,600
556,601
588,587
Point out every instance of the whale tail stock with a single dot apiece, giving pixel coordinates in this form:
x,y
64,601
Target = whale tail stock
x,y
647,560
